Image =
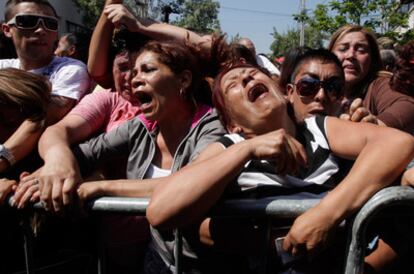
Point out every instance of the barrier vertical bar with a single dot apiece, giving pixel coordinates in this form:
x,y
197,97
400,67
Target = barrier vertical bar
x,y
178,251
28,246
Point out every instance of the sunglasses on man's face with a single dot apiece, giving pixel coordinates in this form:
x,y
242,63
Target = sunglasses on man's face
x,y
309,87
32,21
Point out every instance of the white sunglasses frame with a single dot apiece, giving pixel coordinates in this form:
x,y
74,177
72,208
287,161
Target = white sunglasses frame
x,y
41,16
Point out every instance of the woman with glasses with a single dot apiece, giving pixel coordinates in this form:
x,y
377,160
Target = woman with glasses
x,y
268,153
368,95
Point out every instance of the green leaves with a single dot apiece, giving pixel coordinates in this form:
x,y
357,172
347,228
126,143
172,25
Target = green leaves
x,y
199,15
383,16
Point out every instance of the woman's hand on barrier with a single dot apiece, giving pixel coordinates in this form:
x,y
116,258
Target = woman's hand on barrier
x,y
6,187
408,177
309,234
27,190
57,183
119,15
90,190
280,147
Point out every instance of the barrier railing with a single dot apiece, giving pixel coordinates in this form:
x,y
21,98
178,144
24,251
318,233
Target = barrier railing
x,y
386,198
267,207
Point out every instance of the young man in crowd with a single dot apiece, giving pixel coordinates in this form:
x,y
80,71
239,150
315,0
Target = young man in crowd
x,y
32,25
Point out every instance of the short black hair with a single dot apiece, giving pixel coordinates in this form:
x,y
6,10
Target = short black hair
x,y
8,13
294,58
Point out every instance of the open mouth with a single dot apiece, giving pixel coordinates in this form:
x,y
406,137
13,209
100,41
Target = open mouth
x,y
144,98
256,91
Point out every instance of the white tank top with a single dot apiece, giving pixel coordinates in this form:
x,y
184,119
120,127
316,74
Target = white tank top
x,y
156,172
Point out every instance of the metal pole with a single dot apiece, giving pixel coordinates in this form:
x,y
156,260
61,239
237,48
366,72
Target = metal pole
x,y
178,252
28,245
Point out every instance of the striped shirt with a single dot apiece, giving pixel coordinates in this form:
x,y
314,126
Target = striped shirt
x,y
259,178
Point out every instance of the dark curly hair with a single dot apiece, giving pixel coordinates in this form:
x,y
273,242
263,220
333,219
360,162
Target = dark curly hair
x,y
403,77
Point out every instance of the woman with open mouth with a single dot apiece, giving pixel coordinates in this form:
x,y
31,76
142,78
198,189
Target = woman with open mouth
x,y
268,154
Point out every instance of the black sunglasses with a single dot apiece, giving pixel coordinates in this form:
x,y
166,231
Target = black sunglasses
x,y
32,21
309,87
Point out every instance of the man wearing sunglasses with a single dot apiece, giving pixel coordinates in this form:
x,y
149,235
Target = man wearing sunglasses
x,y
32,25
316,82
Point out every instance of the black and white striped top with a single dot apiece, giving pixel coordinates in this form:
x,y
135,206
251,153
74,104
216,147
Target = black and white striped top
x,y
259,178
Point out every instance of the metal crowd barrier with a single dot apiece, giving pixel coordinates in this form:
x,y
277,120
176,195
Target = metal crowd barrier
x,y
384,199
267,207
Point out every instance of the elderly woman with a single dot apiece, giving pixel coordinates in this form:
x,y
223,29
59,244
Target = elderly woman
x,y
264,137
368,94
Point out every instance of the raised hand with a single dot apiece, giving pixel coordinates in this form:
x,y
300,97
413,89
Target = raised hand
x,y
119,15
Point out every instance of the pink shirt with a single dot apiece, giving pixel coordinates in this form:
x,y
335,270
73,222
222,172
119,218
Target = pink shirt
x,y
105,110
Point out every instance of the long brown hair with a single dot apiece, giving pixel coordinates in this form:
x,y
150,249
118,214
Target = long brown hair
x,y
28,92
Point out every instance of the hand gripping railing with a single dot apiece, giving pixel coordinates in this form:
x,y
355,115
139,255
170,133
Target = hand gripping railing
x,y
270,208
388,197
267,207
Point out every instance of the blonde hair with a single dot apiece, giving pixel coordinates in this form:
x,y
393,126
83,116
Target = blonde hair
x,y
26,91
376,63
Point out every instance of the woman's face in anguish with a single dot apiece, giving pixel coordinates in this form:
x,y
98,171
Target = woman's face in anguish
x,y
253,101
122,74
354,52
156,87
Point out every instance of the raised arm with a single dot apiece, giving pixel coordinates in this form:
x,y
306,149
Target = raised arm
x,y
119,15
98,60
381,154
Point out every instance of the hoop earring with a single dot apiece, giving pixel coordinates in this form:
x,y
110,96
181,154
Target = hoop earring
x,y
182,94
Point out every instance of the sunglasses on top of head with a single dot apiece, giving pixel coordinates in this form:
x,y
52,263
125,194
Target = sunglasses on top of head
x,y
32,21
309,87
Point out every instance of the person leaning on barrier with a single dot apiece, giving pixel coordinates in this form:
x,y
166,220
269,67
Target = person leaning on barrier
x,y
32,25
171,131
23,99
368,95
255,113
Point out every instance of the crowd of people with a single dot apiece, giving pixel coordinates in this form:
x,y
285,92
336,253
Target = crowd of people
x,y
187,120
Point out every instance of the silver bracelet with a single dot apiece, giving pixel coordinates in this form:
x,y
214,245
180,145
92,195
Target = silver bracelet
x,y
5,153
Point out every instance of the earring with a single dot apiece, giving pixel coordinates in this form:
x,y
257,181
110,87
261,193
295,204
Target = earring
x,y
182,92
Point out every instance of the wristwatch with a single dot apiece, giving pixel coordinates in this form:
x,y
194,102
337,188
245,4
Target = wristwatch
x,y
5,154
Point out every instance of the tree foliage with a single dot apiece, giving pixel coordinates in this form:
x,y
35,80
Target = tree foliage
x,y
382,16
290,39
198,15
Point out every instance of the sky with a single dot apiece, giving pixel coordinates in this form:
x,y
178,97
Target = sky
x,y
256,18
